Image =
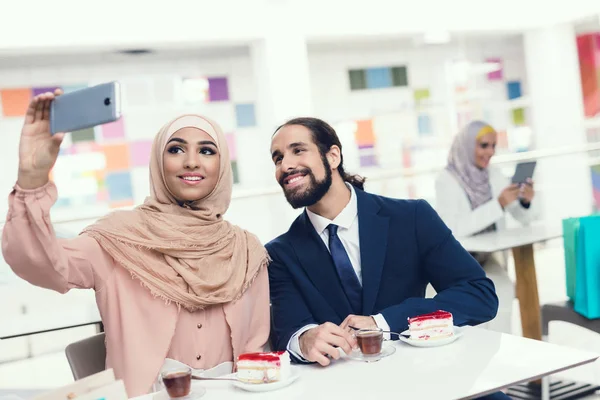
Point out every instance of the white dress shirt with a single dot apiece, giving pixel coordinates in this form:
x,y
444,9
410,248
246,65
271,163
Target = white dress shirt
x,y
347,221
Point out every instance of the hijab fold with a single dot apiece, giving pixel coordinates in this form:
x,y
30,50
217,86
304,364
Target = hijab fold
x,y
461,163
184,254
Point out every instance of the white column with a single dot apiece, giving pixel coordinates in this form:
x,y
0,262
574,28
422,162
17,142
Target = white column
x,y
282,78
282,87
281,74
557,118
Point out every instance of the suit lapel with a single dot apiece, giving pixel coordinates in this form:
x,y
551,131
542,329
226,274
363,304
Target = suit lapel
x,y
316,261
373,232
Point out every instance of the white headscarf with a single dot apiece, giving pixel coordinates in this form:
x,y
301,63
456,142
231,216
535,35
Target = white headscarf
x,y
461,162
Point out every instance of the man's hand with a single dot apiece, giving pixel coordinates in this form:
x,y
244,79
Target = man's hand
x,y
358,321
322,341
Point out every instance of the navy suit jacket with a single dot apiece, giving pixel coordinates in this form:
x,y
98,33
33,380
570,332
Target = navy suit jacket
x,y
404,245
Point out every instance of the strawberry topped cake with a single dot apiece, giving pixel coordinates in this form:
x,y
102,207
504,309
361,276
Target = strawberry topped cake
x,y
263,367
432,326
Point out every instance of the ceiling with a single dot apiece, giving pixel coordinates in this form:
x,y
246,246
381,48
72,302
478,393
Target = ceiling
x,y
88,56
217,28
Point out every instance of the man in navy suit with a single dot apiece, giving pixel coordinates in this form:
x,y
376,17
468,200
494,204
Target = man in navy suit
x,y
357,259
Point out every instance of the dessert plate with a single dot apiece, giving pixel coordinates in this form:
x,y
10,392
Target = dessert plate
x,y
267,387
387,349
458,332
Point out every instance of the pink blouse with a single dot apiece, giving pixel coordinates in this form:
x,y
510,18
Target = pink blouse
x,y
202,338
141,330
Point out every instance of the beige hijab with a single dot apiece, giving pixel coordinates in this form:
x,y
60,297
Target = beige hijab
x,y
186,254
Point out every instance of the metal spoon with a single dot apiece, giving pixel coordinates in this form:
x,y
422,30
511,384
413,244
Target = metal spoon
x,y
390,332
204,378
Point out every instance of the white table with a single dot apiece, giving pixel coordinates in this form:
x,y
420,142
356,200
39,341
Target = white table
x,y
479,363
520,241
511,238
16,394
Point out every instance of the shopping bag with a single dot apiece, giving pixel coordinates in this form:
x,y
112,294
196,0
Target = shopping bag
x,y
570,232
587,269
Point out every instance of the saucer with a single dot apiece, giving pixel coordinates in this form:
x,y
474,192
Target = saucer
x,y
386,350
196,392
458,332
267,387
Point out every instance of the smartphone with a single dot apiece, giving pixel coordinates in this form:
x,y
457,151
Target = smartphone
x,y
523,172
86,108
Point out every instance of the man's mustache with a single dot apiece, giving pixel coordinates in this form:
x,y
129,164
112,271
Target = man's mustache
x,y
305,171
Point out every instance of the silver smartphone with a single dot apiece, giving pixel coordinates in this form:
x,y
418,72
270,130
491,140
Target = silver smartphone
x,y
86,108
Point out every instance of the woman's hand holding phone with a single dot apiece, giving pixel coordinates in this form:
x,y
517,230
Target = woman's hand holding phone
x,y
38,148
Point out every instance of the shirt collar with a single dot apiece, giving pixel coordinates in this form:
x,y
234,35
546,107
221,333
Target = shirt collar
x,y
344,219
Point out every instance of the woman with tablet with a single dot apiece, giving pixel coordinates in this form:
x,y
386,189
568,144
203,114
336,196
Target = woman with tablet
x,y
473,197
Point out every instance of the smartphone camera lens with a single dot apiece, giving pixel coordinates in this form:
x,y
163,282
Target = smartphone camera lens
x,y
107,101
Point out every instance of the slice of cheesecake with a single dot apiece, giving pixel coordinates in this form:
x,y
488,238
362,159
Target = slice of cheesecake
x,y
263,367
432,326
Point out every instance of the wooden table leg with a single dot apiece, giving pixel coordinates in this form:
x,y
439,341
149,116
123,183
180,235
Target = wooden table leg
x,y
527,292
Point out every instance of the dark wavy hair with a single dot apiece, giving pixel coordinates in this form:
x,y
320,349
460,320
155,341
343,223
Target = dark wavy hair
x,y
324,137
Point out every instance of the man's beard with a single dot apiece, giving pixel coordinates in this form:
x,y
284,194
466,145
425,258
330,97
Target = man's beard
x,y
297,197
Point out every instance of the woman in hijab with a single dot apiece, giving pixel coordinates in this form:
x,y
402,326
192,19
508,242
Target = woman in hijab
x,y
473,197
173,279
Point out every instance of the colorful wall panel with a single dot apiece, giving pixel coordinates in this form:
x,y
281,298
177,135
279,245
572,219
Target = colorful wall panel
x,y
588,48
365,140
109,165
596,185
378,77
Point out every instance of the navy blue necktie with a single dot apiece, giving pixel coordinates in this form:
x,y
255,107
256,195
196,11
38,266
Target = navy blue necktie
x,y
348,277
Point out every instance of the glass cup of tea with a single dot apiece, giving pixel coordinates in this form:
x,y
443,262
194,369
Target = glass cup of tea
x,y
177,381
369,341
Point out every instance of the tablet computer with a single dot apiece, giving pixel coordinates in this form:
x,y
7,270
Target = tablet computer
x,y
523,172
